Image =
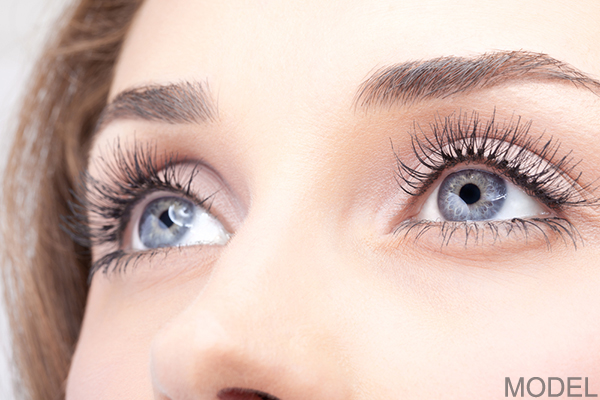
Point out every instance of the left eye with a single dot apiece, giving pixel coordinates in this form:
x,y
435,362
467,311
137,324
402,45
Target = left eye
x,y
175,221
478,195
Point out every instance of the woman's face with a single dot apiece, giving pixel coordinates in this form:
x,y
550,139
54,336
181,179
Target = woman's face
x,y
292,207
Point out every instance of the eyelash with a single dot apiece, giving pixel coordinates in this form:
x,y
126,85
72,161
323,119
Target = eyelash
x,y
101,211
508,149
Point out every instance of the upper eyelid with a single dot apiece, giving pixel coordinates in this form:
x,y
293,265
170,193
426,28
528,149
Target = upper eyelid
x,y
451,138
157,186
467,162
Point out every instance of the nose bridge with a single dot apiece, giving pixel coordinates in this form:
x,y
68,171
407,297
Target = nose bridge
x,y
261,322
280,259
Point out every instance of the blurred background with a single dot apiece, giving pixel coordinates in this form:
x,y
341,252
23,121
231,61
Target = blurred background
x,y
24,27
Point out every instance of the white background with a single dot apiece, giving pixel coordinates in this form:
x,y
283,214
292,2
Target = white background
x,y
24,26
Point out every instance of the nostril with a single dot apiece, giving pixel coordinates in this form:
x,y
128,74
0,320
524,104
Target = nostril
x,y
244,394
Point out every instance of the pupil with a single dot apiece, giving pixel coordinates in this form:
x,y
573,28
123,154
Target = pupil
x,y
165,219
469,193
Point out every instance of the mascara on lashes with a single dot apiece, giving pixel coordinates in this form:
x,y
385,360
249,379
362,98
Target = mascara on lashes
x,y
102,208
514,153
102,212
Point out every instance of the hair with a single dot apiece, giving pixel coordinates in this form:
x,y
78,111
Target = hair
x,y
44,272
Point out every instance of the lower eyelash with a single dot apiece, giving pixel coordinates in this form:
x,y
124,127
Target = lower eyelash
x,y
119,261
477,232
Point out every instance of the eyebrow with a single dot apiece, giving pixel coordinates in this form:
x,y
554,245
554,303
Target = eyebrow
x,y
178,103
405,83
442,77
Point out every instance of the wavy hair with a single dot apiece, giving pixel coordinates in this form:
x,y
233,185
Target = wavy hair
x,y
43,271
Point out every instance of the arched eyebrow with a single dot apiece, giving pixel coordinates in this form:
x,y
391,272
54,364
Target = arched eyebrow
x,y
405,83
442,77
178,103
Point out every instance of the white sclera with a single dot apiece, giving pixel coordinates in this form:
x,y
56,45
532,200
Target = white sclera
x,y
517,204
204,229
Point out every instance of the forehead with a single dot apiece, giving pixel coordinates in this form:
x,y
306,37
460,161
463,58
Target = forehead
x,y
286,55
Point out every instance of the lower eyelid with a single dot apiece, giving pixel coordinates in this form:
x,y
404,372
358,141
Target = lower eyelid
x,y
118,262
486,238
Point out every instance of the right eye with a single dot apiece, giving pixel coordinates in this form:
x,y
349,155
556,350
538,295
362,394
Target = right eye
x,y
478,195
170,221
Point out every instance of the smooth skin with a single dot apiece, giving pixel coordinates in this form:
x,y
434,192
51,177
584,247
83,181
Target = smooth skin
x,y
315,297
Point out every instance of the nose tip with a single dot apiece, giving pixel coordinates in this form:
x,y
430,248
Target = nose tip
x,y
263,327
196,357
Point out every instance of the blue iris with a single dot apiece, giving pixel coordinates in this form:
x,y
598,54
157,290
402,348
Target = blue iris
x,y
471,195
165,221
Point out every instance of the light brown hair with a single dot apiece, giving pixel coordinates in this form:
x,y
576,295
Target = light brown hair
x,y
43,271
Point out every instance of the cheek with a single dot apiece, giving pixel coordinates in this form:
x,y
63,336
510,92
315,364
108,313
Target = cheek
x,y
111,363
123,316
463,331
438,332
555,329
535,323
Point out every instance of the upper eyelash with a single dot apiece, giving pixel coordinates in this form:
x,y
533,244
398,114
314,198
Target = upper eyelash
x,y
508,148
102,208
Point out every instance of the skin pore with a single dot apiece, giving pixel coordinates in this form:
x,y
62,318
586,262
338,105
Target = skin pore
x,y
318,294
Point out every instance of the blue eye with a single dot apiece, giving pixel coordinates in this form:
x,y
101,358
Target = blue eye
x,y
471,195
478,195
174,221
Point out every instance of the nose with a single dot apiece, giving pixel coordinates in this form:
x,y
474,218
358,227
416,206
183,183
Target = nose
x,y
261,328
